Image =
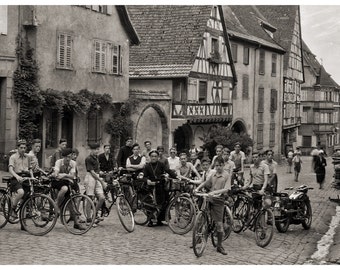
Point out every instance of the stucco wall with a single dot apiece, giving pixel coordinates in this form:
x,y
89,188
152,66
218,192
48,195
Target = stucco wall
x,y
85,26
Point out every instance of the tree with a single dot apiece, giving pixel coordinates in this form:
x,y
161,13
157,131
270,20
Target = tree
x,y
226,137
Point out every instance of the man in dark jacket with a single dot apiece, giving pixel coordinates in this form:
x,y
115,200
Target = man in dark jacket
x,y
106,160
124,152
153,172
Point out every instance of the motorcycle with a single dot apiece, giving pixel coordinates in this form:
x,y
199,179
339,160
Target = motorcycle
x,y
292,209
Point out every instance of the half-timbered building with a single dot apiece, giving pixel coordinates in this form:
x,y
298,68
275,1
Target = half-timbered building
x,y
181,73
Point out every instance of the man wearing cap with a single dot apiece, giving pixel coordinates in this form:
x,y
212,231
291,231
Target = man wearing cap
x,y
106,160
19,166
57,154
124,152
153,172
94,184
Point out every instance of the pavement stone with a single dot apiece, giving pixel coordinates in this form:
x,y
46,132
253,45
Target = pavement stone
x,y
109,243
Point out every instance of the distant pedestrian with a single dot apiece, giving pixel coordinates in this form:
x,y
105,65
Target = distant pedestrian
x,y
297,161
290,156
320,168
315,155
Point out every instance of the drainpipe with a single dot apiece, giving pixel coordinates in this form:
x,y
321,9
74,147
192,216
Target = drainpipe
x,y
254,91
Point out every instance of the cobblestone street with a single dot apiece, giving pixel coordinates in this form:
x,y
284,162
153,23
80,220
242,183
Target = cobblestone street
x,y
109,243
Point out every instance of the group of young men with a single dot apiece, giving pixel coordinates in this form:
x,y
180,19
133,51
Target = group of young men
x,y
213,175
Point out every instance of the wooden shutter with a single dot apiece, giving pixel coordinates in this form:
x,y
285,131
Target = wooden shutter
x,y
115,58
109,10
273,100
262,62
121,60
226,91
274,61
61,51
203,86
234,52
97,52
94,126
261,100
246,55
103,57
245,86
68,51
272,135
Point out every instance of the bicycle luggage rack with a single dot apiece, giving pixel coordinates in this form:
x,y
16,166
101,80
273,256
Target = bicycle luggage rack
x,y
6,179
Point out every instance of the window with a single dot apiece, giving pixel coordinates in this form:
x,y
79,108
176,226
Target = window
x,y
306,141
246,55
3,20
272,135
234,52
202,92
227,91
245,86
179,91
274,61
64,55
116,58
99,64
259,136
273,100
262,62
107,58
51,118
94,126
261,100
214,46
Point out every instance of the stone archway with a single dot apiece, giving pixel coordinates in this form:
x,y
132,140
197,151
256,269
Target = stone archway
x,y
239,126
152,125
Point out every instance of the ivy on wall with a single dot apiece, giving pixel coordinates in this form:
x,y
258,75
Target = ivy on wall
x,y
32,100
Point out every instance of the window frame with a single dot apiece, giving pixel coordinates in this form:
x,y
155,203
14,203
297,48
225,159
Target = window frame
x,y
262,62
246,55
67,50
274,65
234,50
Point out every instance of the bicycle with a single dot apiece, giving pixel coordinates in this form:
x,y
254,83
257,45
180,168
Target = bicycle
x,y
204,226
181,210
75,208
37,211
113,194
253,212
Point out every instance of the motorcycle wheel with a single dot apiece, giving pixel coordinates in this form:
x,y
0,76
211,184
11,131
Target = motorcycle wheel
x,y
282,224
307,213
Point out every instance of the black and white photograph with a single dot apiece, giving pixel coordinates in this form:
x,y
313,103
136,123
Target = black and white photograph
x,y
169,134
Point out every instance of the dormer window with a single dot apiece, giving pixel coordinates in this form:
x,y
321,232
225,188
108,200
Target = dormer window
x,y
270,30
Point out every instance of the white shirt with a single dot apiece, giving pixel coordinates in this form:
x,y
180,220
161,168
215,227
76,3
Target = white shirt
x,y
173,163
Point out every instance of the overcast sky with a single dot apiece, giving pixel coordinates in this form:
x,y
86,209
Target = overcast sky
x,y
320,27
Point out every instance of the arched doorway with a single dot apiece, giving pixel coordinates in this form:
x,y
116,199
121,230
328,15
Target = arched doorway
x,y
239,127
152,126
183,137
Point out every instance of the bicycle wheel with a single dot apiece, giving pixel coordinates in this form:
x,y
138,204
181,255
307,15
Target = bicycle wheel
x,y
125,214
140,214
200,234
180,215
264,227
5,206
240,213
78,214
38,214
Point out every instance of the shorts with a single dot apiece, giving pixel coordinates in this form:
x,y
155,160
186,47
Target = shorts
x,y
216,209
92,186
297,167
58,184
16,185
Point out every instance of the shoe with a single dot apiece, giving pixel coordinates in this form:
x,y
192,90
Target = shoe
x,y
160,223
80,227
99,218
94,225
22,228
150,224
221,250
88,220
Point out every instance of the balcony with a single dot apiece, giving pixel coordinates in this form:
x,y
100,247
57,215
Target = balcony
x,y
203,111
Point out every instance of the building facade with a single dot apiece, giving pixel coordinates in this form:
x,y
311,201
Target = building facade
x,y
320,107
76,47
184,57
287,21
258,62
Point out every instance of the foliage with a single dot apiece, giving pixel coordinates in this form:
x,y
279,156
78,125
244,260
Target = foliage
x,y
120,125
226,137
26,90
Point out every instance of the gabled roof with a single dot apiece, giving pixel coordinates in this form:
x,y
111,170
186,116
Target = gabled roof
x,y
323,78
126,22
170,35
246,22
283,18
